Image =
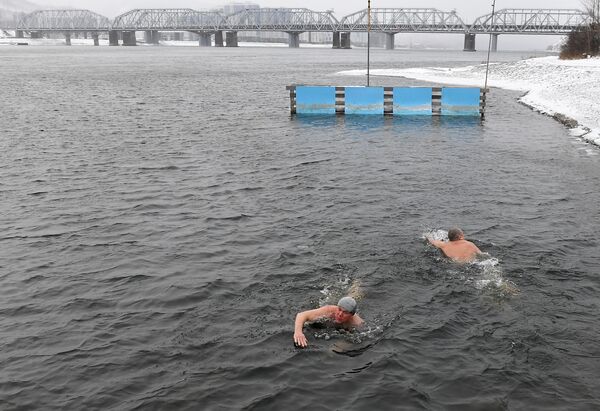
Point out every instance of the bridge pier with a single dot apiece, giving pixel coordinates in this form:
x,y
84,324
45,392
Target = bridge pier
x,y
113,38
151,36
36,35
19,34
218,38
204,40
294,40
495,42
231,39
389,41
68,39
96,38
345,40
336,40
129,38
469,42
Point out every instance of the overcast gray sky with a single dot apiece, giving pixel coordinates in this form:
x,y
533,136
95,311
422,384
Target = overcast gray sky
x,y
466,9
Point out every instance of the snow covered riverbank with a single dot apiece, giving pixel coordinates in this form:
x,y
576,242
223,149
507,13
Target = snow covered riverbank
x,y
552,86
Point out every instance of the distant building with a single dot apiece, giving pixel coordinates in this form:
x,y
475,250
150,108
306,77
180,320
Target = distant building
x,y
235,7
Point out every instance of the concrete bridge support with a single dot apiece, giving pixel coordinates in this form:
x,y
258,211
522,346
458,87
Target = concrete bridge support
x,y
96,38
36,34
151,36
294,40
231,39
68,39
218,39
389,41
19,34
469,42
336,40
113,38
204,40
345,40
129,38
495,42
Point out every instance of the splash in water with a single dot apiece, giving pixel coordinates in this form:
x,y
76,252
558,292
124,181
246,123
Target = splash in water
x,y
490,276
439,235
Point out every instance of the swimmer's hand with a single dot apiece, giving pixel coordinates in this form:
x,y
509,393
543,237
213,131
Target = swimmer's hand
x,y
300,340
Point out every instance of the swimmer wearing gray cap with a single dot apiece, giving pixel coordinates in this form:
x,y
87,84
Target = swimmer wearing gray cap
x,y
343,314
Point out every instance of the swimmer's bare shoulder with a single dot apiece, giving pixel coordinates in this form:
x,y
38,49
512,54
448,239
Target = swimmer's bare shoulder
x,y
356,321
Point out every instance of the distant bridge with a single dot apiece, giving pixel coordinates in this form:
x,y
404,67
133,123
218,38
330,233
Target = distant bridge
x,y
298,20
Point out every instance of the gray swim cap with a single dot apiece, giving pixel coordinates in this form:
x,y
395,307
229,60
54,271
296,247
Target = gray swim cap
x,y
347,304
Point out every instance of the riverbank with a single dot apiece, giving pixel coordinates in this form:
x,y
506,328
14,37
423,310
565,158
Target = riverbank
x,y
565,89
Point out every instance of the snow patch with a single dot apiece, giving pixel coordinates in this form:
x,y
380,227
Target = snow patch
x,y
565,89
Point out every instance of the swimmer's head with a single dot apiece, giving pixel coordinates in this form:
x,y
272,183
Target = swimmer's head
x,y
455,233
348,304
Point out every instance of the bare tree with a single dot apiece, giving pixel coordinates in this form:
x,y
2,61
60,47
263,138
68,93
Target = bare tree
x,y
592,7
584,41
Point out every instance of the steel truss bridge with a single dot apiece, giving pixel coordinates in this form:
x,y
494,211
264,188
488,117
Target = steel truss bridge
x,y
298,20
64,20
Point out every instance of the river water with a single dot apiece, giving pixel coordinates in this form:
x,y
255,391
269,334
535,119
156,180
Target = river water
x,y
163,218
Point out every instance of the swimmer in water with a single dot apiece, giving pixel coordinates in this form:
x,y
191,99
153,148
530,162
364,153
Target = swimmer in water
x,y
343,314
457,248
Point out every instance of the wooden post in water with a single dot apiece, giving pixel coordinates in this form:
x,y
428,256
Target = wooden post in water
x,y
292,90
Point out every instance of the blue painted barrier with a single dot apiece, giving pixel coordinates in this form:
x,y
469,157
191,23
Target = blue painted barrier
x,y
410,101
399,101
364,100
460,101
315,100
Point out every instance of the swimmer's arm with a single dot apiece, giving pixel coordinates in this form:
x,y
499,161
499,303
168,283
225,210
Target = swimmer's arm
x,y
436,243
310,315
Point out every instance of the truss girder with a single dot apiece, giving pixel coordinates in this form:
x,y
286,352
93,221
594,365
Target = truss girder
x,y
168,20
64,20
392,20
291,20
540,21
297,20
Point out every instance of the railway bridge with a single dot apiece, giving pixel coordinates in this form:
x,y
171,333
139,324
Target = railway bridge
x,y
213,27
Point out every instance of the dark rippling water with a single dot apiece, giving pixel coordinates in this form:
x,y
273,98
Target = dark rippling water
x,y
164,218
